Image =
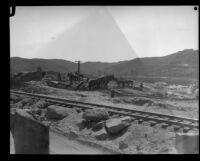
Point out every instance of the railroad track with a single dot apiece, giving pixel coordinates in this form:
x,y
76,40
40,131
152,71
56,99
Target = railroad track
x,y
170,122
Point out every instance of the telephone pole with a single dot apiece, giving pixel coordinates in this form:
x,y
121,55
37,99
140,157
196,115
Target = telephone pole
x,y
78,72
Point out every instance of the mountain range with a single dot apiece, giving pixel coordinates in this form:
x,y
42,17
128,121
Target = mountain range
x,y
184,63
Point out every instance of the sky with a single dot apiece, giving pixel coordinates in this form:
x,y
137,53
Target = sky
x,y
150,30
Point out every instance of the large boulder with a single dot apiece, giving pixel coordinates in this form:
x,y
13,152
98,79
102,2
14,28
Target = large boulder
x,y
55,112
96,115
114,126
187,143
126,118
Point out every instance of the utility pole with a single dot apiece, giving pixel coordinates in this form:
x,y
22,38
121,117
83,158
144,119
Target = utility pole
x,y
78,72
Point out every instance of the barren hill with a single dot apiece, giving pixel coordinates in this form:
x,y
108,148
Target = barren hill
x,y
181,64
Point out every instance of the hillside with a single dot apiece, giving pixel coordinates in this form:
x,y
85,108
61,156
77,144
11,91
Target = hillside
x,y
181,64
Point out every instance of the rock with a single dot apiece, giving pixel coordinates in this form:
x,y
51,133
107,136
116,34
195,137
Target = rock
x,y
12,106
101,134
56,112
122,145
12,110
41,118
29,101
141,101
98,114
37,111
15,98
78,110
87,132
82,124
115,116
18,105
187,143
114,126
41,104
98,126
28,110
26,107
126,118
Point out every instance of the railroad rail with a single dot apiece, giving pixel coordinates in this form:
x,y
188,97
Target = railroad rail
x,y
175,123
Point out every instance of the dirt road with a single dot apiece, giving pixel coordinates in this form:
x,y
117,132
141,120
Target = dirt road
x,y
61,145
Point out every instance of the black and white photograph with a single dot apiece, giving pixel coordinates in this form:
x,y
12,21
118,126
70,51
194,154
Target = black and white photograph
x,y
104,80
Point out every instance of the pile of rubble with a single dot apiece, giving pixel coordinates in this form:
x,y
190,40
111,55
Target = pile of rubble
x,y
102,125
97,124
98,120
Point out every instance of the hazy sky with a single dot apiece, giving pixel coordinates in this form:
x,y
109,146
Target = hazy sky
x,y
151,31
